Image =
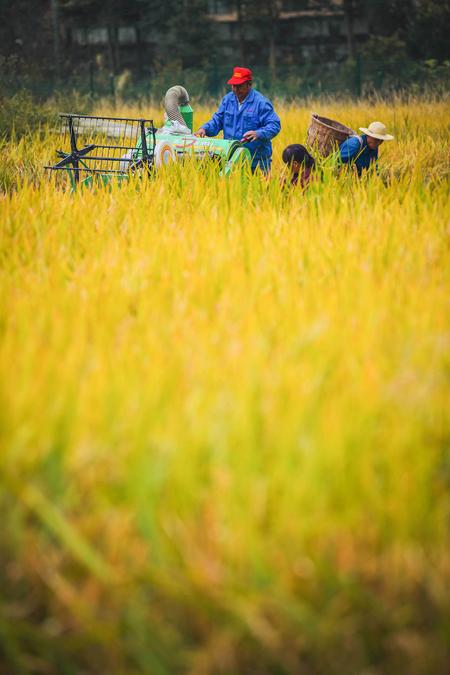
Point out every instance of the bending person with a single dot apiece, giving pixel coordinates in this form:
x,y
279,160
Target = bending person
x,y
246,115
362,151
300,164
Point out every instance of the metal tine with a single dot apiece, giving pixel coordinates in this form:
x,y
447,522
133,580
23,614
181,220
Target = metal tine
x,y
124,139
114,128
118,141
115,156
95,128
86,170
64,129
109,127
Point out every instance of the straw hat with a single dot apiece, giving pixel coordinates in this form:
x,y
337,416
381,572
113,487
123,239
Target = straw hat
x,y
377,130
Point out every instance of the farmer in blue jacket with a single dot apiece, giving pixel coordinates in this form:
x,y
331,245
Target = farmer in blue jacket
x,y
246,115
361,151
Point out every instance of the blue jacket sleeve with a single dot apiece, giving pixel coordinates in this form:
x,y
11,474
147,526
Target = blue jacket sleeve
x,y
270,122
349,148
215,124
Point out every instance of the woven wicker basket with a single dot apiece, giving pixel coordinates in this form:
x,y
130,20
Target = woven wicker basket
x,y
325,134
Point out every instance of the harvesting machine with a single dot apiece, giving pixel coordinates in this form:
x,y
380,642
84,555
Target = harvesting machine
x,y
104,148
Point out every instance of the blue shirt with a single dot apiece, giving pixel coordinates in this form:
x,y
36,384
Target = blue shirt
x,y
356,151
255,114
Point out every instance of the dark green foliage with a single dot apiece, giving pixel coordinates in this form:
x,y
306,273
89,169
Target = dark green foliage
x,y
428,35
19,114
405,44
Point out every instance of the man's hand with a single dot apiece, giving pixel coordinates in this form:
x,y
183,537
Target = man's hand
x,y
201,133
249,136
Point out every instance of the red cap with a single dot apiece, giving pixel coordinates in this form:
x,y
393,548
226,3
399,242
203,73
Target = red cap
x,y
241,75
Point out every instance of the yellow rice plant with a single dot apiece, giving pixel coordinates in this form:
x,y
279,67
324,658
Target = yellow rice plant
x,y
224,414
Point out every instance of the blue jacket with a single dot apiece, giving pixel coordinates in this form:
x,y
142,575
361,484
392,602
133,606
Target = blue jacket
x,y
357,152
256,114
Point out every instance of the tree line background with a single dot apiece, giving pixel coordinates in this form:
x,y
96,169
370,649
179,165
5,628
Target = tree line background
x,y
405,45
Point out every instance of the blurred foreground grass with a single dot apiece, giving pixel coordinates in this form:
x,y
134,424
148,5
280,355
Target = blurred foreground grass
x,y
224,415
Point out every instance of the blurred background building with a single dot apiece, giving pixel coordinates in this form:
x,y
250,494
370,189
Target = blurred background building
x,y
295,47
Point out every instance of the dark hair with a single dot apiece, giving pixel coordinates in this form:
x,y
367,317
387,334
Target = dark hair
x,y
298,153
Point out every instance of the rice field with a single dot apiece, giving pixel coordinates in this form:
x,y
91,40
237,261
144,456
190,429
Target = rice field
x,y
224,413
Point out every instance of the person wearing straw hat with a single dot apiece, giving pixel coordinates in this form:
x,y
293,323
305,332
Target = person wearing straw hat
x,y
246,115
362,151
